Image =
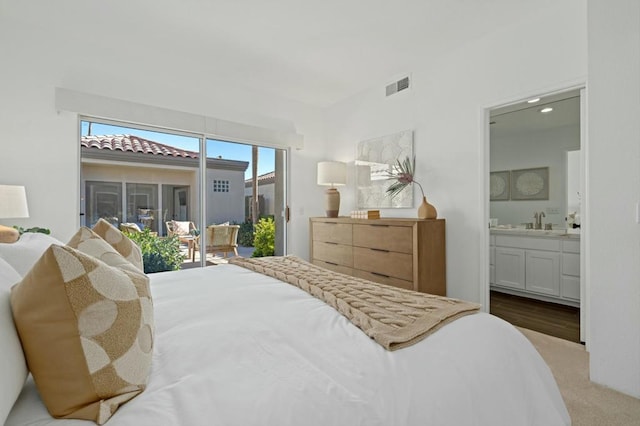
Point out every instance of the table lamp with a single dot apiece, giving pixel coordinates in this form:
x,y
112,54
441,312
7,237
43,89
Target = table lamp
x,y
332,174
13,205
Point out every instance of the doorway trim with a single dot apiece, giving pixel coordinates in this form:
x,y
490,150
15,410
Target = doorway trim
x,y
483,179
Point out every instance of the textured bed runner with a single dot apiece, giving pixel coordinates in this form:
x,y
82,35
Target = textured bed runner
x,y
393,317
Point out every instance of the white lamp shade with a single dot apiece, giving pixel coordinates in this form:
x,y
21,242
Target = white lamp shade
x,y
13,202
332,173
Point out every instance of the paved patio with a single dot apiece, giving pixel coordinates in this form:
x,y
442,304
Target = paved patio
x,y
212,258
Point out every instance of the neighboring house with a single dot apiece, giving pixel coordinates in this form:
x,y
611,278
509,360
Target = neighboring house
x,y
126,178
266,194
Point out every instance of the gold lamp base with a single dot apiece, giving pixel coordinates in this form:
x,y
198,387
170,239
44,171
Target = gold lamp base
x,y
332,202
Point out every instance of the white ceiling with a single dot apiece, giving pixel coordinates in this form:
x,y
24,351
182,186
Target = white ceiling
x,y
525,117
316,52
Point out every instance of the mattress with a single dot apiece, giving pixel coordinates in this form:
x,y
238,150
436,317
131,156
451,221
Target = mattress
x,y
234,347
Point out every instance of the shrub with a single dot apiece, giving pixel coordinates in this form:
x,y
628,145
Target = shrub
x,y
245,234
264,239
35,229
158,254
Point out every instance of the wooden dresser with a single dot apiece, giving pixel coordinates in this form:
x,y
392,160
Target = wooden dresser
x,y
407,253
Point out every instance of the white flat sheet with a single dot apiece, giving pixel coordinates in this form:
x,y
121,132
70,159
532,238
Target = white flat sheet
x,y
234,347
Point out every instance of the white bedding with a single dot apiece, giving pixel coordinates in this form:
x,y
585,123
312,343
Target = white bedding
x,y
234,347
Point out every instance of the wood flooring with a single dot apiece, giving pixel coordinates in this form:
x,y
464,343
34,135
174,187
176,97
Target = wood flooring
x,y
544,317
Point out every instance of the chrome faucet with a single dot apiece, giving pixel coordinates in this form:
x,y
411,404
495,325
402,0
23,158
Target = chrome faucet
x,y
538,217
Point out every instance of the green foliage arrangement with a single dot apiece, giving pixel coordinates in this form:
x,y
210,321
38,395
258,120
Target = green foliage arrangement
x,y
158,254
402,172
245,234
37,229
264,239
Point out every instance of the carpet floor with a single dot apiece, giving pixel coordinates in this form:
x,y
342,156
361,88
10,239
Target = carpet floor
x,y
589,404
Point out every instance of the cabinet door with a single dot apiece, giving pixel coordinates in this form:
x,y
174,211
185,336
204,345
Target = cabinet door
x,y
509,268
543,272
571,287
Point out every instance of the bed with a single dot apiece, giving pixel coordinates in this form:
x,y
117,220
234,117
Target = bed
x,y
236,347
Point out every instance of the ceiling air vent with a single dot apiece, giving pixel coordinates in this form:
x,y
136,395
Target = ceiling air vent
x,y
397,86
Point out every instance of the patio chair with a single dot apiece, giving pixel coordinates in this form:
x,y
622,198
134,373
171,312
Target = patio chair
x,y
180,228
184,230
222,239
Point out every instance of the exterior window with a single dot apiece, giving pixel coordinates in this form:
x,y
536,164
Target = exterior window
x,y
103,200
142,205
220,185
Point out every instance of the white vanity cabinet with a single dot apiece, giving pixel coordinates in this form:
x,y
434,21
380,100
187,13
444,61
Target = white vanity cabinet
x,y
545,267
542,272
570,284
510,267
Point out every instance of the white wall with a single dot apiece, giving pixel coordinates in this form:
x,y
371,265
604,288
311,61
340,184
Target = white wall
x,y
39,145
445,108
225,206
613,179
529,150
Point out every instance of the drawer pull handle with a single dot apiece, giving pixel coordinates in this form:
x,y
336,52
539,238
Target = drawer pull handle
x,y
331,263
331,242
380,225
380,275
382,250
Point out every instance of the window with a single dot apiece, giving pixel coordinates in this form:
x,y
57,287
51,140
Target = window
x,y
220,185
104,201
151,176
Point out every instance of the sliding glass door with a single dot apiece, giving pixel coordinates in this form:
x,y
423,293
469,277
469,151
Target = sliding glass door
x,y
146,178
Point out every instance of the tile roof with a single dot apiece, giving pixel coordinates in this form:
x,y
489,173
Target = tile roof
x,y
129,143
262,179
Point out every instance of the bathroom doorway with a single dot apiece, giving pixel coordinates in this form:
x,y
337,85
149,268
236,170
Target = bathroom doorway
x,y
535,247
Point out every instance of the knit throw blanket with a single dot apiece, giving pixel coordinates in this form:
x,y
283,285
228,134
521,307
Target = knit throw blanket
x,y
393,317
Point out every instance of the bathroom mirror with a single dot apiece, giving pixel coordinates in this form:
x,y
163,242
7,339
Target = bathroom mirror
x,y
537,136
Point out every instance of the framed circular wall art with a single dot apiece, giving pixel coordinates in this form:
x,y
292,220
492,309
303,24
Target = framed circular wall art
x,y
499,186
530,184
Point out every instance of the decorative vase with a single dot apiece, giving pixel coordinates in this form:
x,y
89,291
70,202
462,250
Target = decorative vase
x,y
426,210
332,202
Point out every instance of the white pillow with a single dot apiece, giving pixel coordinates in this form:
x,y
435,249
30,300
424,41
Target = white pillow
x,y
13,368
24,253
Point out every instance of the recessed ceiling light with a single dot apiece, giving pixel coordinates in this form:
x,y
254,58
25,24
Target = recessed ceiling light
x,y
545,110
533,101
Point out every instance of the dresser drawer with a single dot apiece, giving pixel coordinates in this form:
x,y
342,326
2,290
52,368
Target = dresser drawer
x,y
392,264
332,232
336,254
384,237
333,267
383,279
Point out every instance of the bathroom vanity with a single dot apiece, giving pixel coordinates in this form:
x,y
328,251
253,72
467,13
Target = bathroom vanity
x,y
539,264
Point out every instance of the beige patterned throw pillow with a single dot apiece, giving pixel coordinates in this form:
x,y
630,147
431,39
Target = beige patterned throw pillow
x,y
87,332
120,242
88,242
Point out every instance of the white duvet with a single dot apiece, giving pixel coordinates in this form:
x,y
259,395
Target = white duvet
x,y
234,347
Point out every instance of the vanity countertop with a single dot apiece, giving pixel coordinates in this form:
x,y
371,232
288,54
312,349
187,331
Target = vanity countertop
x,y
555,233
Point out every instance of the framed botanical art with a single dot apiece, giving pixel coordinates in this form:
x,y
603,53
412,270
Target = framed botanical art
x,y
499,186
530,184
